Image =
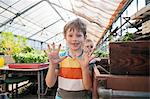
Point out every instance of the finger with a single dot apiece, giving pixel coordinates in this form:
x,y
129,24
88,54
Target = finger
x,y
92,51
92,57
62,58
53,46
86,52
59,47
49,48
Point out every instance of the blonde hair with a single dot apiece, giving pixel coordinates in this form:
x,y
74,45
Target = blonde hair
x,y
88,40
76,24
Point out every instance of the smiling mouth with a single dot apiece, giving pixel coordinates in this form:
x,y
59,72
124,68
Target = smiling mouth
x,y
75,44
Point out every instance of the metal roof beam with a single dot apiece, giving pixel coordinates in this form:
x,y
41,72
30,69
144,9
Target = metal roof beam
x,y
44,28
55,10
52,37
9,6
124,8
18,14
61,7
59,40
128,2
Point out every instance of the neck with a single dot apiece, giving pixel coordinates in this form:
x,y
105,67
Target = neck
x,y
74,53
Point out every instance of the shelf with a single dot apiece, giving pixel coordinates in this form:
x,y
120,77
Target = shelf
x,y
143,37
141,14
135,24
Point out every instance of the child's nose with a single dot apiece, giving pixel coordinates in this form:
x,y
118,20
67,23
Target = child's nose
x,y
75,38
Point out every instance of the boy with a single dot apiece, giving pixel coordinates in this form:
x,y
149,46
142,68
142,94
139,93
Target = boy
x,y
88,44
72,68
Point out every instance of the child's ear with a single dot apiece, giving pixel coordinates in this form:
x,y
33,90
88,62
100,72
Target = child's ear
x,y
65,37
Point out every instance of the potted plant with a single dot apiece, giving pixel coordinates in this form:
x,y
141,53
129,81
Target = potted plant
x,y
10,45
33,59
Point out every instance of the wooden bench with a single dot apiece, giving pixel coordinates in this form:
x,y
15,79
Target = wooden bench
x,y
16,81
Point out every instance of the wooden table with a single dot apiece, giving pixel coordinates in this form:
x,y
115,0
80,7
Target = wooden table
x,y
39,72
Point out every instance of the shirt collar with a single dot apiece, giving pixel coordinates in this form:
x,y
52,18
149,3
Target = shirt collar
x,y
70,55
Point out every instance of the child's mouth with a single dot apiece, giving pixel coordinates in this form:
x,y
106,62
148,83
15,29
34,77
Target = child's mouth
x,y
75,44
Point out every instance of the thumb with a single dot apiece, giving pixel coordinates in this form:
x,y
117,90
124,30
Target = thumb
x,y
92,57
62,58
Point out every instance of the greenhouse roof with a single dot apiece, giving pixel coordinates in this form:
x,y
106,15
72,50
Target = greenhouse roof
x,y
43,20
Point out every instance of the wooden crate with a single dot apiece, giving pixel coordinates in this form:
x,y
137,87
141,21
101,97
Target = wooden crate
x,y
130,58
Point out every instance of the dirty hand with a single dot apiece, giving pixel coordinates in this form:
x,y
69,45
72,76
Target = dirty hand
x,y
53,55
86,58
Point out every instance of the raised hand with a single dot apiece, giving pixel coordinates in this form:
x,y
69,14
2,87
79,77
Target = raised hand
x,y
86,58
53,55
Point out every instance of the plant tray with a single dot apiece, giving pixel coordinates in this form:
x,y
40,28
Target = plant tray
x,y
28,66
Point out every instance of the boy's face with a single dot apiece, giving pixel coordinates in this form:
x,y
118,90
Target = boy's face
x,y
88,45
74,39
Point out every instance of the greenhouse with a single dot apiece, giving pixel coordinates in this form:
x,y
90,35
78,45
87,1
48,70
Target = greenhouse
x,y
74,49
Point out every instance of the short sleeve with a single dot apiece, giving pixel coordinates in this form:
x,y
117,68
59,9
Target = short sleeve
x,y
61,54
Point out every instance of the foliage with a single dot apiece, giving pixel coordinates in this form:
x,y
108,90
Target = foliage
x,y
110,37
27,49
127,37
1,48
34,56
7,42
20,52
100,53
10,45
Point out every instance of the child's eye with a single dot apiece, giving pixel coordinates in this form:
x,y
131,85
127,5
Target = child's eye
x,y
79,35
70,35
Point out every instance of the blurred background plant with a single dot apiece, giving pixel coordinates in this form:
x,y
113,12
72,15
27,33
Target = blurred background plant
x,y
29,55
127,37
100,53
10,45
